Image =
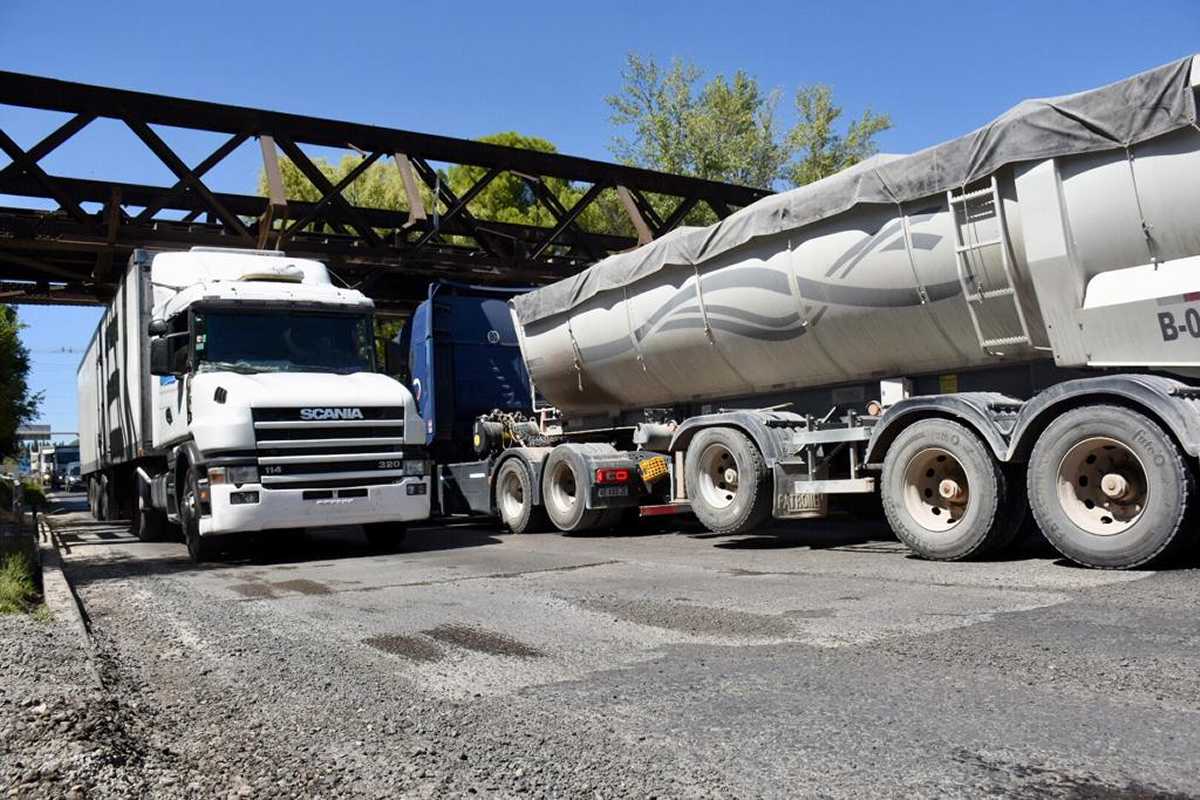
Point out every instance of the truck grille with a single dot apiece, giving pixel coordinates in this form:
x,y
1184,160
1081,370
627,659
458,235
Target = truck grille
x,y
313,448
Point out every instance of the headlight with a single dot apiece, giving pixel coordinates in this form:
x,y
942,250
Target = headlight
x,y
240,475
414,467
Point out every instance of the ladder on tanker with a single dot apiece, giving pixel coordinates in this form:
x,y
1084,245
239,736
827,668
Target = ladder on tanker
x,y
995,298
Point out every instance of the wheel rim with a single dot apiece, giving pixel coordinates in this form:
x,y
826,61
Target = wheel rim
x,y
718,476
562,490
936,491
1102,486
512,496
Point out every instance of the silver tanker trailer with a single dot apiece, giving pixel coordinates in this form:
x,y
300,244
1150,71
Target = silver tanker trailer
x,y
1006,321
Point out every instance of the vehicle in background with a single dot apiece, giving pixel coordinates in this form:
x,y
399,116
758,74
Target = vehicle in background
x,y
964,334
73,478
231,391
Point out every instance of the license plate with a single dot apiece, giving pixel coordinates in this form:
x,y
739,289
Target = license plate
x,y
613,491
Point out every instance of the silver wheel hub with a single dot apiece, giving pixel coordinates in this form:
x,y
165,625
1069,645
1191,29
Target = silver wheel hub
x,y
561,489
512,497
936,492
1102,486
718,476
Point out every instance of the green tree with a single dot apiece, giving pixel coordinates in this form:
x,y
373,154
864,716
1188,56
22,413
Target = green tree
x,y
727,129
724,131
17,404
822,150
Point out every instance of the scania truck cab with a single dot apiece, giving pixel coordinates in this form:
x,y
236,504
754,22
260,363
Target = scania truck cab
x,y
232,391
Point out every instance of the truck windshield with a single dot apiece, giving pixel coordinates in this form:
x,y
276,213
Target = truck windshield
x,y
283,341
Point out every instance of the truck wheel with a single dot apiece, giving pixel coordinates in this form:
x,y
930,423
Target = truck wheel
x,y
200,548
944,494
1109,488
564,487
101,510
149,524
514,499
727,481
385,537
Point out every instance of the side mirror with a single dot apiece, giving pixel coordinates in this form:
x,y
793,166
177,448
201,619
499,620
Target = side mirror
x,y
160,356
157,327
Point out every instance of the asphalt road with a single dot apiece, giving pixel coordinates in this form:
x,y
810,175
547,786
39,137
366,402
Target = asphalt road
x,y
811,660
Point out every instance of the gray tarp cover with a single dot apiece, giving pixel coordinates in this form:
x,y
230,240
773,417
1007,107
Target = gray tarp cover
x,y
1121,114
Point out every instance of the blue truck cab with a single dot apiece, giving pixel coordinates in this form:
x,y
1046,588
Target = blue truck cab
x,y
459,355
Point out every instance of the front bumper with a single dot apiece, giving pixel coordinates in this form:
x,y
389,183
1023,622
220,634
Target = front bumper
x,y
287,508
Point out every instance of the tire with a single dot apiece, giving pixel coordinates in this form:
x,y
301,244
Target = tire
x,y
514,499
564,484
148,524
1071,488
200,548
722,505
103,503
944,493
385,537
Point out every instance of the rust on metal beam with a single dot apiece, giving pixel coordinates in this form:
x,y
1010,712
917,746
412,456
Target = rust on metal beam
x,y
644,234
276,198
416,204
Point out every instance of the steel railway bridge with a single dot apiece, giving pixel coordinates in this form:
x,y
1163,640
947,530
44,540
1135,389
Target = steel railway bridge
x,y
72,252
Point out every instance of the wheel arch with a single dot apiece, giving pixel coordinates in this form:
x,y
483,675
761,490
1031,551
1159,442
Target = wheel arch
x,y
1173,405
185,455
986,414
770,439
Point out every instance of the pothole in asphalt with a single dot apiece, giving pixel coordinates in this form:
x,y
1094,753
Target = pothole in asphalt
x,y
255,591
414,648
482,641
303,586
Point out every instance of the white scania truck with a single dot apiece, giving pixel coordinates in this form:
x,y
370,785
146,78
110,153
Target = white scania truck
x,y
230,391
1004,322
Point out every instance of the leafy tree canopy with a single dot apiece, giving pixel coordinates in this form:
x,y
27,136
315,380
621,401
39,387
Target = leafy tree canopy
x,y
727,129
17,404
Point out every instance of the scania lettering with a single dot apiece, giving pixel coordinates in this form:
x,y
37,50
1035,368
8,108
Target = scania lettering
x,y
331,413
224,392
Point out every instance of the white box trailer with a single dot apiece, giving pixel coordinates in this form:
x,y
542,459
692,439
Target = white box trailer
x,y
230,391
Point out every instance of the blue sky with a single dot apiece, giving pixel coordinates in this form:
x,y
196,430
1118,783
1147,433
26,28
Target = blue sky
x,y
544,68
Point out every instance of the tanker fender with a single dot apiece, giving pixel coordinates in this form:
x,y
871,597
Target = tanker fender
x,y
771,431
1172,403
531,458
991,415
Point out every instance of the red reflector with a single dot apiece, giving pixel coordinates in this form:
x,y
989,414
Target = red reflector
x,y
612,475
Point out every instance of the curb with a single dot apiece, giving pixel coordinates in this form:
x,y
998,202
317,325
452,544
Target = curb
x,y
61,599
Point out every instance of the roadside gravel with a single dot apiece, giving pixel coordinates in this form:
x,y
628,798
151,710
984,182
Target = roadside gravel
x,y
212,702
60,735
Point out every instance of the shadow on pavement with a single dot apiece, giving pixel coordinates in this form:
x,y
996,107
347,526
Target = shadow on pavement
x,y
127,557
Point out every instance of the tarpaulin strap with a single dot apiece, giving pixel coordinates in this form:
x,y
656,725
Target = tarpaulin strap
x,y
578,356
637,345
703,310
1147,228
922,294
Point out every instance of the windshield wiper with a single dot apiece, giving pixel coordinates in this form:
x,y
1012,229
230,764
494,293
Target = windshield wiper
x,y
241,367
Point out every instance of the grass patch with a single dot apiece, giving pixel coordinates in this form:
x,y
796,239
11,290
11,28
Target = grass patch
x,y
18,592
